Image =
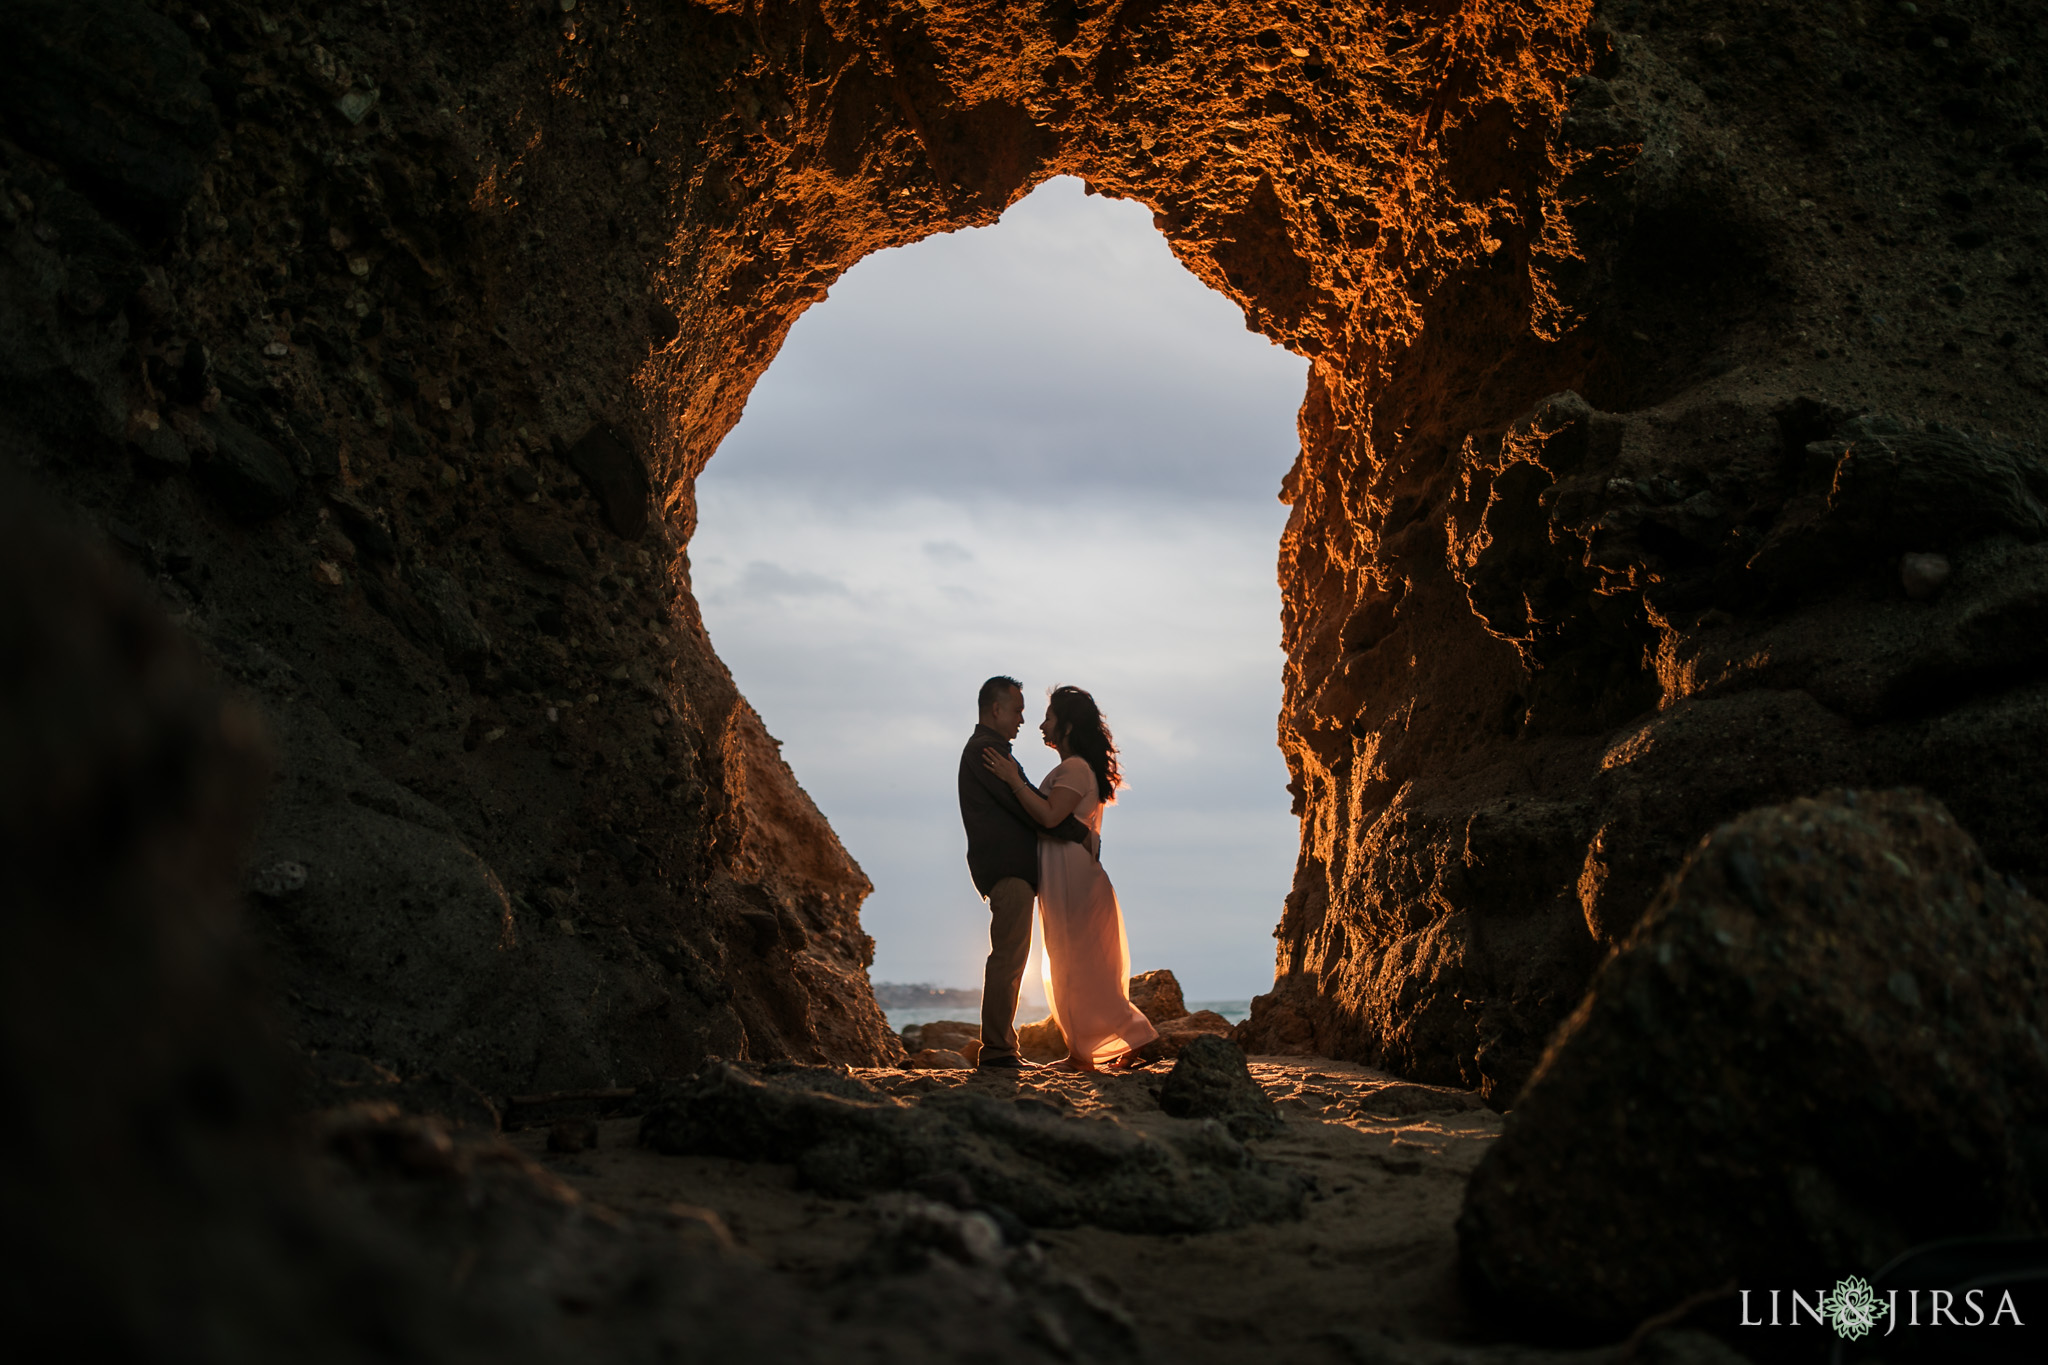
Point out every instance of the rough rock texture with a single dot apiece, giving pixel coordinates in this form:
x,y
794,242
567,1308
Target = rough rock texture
x,y
179,1210
1157,995
1041,1041
361,327
279,312
950,1035
143,1146
1210,1080
847,1139
586,1282
1384,1195
1541,642
1823,1043
1402,1100
1176,1032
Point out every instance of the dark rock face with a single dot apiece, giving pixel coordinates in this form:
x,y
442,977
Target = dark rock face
x,y
616,478
143,1144
247,473
541,832
180,1209
1823,1043
1210,1080
1049,1169
1714,590
1536,654
113,93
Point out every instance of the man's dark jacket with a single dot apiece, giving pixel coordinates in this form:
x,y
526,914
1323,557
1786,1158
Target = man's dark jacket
x,y
1002,838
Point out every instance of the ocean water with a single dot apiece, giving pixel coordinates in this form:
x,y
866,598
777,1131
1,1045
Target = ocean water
x,y
1233,1010
902,1019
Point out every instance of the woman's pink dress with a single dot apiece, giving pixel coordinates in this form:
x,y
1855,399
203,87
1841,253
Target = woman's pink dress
x,y
1088,960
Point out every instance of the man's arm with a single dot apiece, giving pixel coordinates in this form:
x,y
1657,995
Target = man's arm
x,y
1070,829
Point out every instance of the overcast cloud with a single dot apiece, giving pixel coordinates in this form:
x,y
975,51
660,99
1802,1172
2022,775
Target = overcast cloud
x,y
1044,449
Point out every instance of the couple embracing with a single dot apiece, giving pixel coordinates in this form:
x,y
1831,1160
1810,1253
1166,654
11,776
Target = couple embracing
x,y
1045,843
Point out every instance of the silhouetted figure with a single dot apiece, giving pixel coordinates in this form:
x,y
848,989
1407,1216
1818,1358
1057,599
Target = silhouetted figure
x,y
1003,859
1088,958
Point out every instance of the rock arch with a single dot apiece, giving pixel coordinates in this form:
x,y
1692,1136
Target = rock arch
x,y
1605,469
1343,174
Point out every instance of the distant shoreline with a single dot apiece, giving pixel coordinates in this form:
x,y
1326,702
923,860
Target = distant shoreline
x,y
900,1016
896,995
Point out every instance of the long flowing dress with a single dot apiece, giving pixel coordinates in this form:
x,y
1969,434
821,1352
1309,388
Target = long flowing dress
x,y
1087,958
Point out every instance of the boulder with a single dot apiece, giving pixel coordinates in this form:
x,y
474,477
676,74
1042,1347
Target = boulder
x,y
248,474
950,1035
1404,1100
161,450
465,644
1025,1156
1176,1033
1896,490
401,943
1211,1081
1157,996
1822,1044
937,1059
547,545
1282,1022
616,478
1042,1041
989,1283
368,527
112,92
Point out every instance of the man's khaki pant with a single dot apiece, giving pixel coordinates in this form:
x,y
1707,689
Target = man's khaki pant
x,y
1009,938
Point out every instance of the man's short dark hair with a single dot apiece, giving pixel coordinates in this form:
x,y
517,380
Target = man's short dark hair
x,y
994,688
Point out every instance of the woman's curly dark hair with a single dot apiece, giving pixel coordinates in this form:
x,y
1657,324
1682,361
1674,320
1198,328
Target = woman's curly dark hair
x,y
1088,735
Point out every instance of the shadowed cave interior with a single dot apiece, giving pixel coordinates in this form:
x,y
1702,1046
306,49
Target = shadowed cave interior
x,y
1663,595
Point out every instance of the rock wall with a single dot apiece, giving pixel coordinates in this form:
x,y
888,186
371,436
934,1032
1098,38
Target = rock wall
x,y
1558,604
1820,1046
328,315
389,340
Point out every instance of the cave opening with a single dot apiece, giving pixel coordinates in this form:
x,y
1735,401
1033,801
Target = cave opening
x,y
1670,496
1040,448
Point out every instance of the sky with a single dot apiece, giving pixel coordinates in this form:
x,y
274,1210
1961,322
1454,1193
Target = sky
x,y
1044,449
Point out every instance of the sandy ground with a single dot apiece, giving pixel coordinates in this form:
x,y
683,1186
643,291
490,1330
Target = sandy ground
x,y
1367,1274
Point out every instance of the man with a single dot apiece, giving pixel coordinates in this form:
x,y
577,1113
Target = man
x,y
1002,857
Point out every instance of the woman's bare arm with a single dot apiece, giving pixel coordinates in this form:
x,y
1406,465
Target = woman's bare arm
x,y
1046,811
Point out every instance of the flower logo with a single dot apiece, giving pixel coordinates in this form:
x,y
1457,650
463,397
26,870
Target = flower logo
x,y
1852,1309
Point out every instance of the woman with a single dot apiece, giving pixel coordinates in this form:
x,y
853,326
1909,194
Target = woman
x,y
1088,960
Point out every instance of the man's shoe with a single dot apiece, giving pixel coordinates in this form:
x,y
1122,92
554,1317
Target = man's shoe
x,y
1005,1062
